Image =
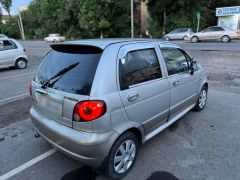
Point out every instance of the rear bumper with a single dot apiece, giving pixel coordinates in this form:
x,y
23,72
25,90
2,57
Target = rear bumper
x,y
89,148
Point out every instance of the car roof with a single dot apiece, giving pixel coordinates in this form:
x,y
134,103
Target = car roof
x,y
7,39
103,43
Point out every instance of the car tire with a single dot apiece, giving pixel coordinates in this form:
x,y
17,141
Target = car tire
x,y
121,158
21,63
202,99
167,38
226,38
194,39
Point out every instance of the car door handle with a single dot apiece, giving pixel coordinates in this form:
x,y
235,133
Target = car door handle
x,y
132,97
175,83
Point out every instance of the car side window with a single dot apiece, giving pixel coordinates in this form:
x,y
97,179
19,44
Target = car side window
x,y
208,30
218,29
7,45
183,30
176,60
138,66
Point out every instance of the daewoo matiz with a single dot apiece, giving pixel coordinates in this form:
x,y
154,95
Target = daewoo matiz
x,y
99,100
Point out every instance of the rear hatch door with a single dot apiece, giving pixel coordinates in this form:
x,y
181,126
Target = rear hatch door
x,y
64,78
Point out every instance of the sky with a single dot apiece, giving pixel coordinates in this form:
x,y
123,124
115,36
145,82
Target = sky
x,y
15,6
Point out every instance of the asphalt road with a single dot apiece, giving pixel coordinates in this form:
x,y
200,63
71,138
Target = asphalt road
x,y
201,146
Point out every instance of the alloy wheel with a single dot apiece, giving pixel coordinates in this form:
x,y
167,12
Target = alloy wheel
x,y
124,156
21,64
202,98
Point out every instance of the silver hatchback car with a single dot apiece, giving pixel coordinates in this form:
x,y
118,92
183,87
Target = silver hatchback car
x,y
99,100
179,34
12,53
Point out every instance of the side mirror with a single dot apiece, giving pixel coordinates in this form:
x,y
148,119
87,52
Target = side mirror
x,y
192,63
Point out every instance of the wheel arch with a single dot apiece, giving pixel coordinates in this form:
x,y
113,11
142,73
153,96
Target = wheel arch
x,y
137,133
20,57
206,85
227,36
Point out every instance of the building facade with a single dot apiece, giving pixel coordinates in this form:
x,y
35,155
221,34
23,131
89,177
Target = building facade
x,y
229,17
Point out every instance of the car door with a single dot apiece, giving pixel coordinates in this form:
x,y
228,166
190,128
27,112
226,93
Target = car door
x,y
176,34
183,84
218,32
181,33
211,33
206,34
8,53
144,89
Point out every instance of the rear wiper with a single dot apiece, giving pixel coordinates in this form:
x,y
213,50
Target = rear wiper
x,y
60,73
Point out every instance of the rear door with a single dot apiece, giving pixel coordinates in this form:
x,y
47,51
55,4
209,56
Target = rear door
x,y
183,85
57,101
144,90
181,33
8,53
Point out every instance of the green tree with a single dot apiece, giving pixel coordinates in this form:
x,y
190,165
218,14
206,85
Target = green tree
x,y
10,28
182,13
77,18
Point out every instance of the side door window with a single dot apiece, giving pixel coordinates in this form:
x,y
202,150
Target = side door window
x,y
7,45
176,61
139,66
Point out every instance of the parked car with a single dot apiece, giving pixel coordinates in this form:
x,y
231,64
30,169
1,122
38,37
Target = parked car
x,y
215,33
178,34
12,53
54,38
3,36
98,100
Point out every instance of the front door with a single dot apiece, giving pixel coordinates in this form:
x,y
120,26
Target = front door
x,y
183,85
144,90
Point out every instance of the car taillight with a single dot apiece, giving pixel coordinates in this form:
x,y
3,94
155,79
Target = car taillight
x,y
238,32
89,110
30,89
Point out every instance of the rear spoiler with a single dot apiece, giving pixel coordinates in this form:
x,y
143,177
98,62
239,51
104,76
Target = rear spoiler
x,y
76,48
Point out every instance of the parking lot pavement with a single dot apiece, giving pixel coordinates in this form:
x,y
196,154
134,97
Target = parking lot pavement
x,y
211,46
202,145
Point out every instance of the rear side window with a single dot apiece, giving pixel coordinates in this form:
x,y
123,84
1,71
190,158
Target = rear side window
x,y
175,60
77,80
7,45
218,29
139,66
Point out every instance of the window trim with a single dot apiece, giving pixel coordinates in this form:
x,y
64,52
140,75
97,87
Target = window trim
x,y
137,47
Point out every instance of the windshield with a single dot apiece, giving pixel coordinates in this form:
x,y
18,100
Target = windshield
x,y
79,79
54,35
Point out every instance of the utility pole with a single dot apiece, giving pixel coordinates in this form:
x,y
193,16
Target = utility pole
x,y
21,25
132,23
20,29
164,21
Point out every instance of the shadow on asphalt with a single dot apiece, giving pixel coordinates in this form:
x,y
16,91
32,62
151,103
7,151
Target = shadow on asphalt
x,y
162,175
83,173
86,173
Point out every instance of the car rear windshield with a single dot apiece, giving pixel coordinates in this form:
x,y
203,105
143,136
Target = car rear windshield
x,y
79,79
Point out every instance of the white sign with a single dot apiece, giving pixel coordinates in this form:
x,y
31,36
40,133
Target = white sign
x,y
227,11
